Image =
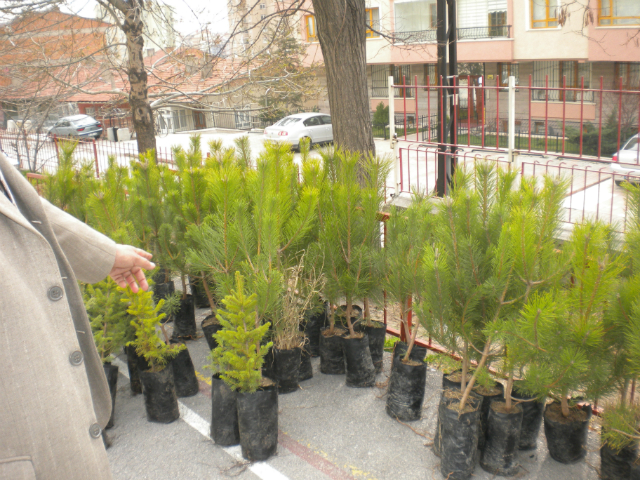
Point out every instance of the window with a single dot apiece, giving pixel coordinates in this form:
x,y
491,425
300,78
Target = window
x,y
505,70
431,71
498,24
544,13
262,17
312,122
379,81
91,111
629,73
555,70
326,119
263,6
373,22
400,72
415,16
618,12
310,23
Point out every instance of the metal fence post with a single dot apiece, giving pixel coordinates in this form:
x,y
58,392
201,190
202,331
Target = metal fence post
x,y
392,134
512,118
95,154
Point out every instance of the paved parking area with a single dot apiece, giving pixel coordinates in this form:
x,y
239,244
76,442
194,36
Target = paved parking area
x,y
327,431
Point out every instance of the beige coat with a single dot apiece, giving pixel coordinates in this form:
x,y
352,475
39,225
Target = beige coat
x,y
53,393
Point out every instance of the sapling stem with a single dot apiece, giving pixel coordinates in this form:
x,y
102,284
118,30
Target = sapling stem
x,y
367,316
352,332
623,392
412,341
465,365
564,403
507,393
212,304
483,360
183,279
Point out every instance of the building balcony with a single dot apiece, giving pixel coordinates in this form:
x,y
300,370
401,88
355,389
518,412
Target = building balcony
x,y
471,33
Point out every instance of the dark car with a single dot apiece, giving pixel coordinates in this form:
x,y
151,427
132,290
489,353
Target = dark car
x,y
81,126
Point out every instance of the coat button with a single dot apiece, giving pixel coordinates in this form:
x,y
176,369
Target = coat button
x,y
95,431
55,293
76,358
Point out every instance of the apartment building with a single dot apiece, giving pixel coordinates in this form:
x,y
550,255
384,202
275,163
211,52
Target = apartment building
x,y
534,40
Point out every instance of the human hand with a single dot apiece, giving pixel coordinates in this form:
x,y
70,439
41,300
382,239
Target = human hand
x,y
128,265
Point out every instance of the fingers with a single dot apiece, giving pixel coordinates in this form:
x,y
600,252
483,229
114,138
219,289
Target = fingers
x,y
143,262
144,254
141,279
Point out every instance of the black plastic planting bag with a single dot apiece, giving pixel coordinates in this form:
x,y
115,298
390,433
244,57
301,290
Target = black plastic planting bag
x,y
417,353
566,440
132,365
532,412
184,323
161,291
306,369
503,435
376,334
312,326
199,293
331,354
497,393
160,400
269,365
459,439
287,369
360,370
224,413
210,330
635,470
184,375
111,371
615,465
405,393
258,422
437,437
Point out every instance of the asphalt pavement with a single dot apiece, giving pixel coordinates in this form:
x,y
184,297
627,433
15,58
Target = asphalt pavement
x,y
326,431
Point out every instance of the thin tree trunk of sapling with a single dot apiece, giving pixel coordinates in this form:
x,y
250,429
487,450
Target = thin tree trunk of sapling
x,y
207,291
623,392
507,393
412,342
564,403
483,360
183,279
352,332
465,365
367,315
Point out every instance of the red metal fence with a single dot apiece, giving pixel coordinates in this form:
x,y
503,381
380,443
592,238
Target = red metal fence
x,y
39,153
572,122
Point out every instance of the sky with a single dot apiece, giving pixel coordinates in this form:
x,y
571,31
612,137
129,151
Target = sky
x,y
190,15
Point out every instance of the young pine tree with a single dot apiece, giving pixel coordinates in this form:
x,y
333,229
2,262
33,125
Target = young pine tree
x,y
146,321
240,355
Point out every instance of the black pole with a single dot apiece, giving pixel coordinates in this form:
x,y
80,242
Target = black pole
x,y
453,74
441,35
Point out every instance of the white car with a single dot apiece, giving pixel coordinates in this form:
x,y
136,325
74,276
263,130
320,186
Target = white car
x,y
314,126
625,164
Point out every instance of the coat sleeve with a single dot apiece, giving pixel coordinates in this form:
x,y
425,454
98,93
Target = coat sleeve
x,y
90,253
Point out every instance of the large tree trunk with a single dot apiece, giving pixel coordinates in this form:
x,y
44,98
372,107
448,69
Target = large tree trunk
x,y
341,32
138,99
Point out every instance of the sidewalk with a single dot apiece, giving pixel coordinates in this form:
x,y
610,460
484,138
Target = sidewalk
x,y
327,431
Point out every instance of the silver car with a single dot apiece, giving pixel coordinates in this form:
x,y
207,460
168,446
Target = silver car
x,y
81,126
625,163
314,126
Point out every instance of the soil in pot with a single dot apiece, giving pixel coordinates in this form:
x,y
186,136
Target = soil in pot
x,y
503,436
287,369
566,437
376,333
111,371
199,294
417,353
132,365
184,324
210,326
360,370
454,379
459,436
306,369
405,393
160,399
258,423
332,352
488,395
224,413
184,374
311,327
531,420
614,464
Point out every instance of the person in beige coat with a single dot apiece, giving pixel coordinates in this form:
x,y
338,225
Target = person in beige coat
x,y
54,398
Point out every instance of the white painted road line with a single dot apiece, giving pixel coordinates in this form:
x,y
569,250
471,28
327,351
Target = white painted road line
x,y
195,421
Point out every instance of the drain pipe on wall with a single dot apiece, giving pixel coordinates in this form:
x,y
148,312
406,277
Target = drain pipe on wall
x,y
512,118
393,138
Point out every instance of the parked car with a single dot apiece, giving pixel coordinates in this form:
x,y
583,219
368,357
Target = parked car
x,y
625,163
81,126
314,126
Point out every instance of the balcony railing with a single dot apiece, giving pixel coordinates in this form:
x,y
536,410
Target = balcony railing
x,y
471,33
